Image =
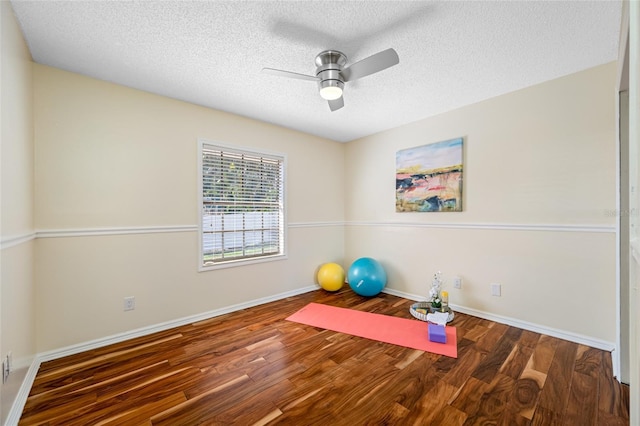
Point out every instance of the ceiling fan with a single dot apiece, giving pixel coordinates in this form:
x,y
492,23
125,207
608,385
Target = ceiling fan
x,y
331,74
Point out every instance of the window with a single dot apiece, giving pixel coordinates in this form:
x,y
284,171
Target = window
x,y
242,205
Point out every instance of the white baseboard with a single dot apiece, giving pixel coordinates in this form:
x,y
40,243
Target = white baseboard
x,y
18,405
525,325
23,393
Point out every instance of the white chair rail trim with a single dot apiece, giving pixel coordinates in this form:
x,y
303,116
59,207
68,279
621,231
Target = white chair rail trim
x,y
15,240
90,232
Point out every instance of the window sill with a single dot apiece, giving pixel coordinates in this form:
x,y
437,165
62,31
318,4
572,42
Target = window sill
x,y
241,262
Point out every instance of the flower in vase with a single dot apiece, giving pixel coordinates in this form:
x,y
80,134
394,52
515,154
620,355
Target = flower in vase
x,y
434,292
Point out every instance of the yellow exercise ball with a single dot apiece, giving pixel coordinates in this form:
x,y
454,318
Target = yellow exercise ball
x,y
331,276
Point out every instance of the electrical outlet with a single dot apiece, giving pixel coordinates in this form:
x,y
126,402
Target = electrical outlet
x,y
457,282
496,289
129,303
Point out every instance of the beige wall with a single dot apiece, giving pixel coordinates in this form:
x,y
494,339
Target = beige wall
x,y
539,201
539,206
16,206
108,157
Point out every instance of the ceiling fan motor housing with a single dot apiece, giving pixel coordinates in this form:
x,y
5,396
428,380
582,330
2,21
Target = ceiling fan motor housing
x,y
330,63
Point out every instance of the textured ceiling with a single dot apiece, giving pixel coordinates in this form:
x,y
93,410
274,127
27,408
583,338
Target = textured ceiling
x,y
211,53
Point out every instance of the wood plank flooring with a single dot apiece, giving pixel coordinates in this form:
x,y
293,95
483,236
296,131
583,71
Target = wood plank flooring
x,y
254,368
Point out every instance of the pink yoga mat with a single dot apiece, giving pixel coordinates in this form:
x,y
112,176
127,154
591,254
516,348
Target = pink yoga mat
x,y
383,328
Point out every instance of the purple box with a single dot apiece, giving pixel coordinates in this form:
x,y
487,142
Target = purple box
x,y
437,333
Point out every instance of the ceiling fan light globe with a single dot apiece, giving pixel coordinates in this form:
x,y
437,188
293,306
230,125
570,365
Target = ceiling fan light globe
x,y
331,93
330,88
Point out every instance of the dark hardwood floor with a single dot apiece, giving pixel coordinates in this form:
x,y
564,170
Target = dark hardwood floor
x,y
253,367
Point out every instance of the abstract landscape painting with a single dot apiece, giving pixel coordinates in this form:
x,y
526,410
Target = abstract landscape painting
x,y
429,178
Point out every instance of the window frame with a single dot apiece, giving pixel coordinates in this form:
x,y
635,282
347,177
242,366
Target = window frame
x,y
203,144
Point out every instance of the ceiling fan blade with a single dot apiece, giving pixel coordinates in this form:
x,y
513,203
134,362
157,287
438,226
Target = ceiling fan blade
x,y
289,74
336,104
372,64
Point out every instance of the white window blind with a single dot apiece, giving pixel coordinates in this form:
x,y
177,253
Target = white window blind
x,y
242,205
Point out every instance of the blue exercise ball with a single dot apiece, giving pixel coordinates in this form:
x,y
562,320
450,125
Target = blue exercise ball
x,y
367,276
